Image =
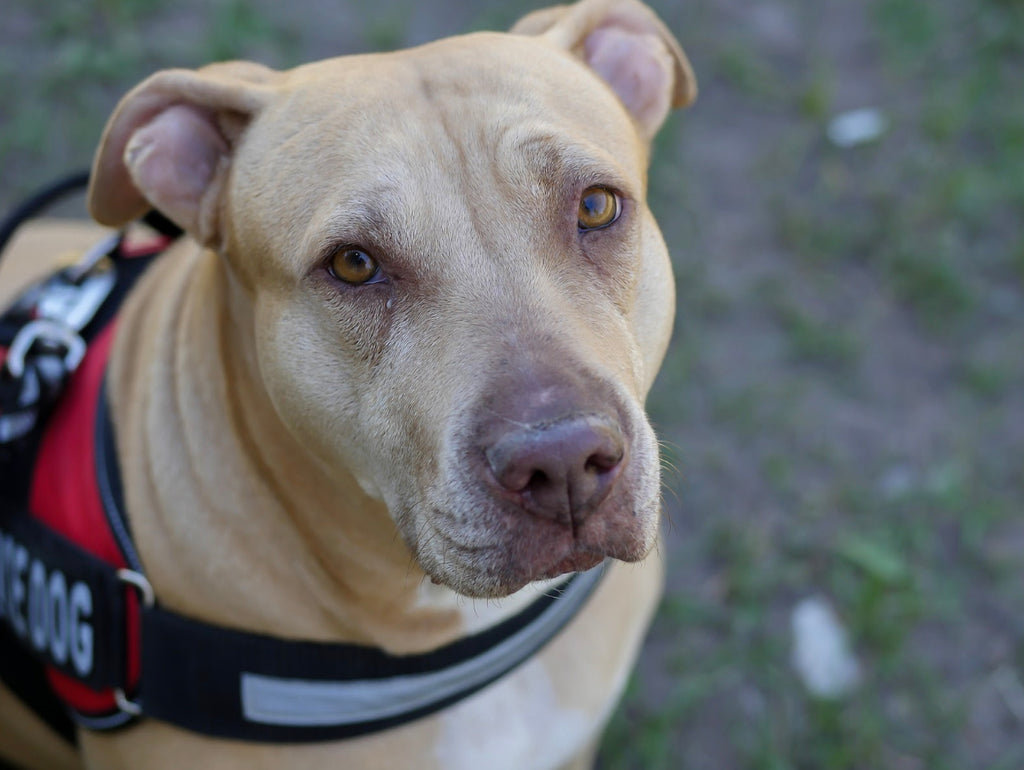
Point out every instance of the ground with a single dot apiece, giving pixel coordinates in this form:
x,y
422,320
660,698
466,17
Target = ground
x,y
841,410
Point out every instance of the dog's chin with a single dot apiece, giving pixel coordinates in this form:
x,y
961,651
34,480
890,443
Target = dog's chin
x,y
496,581
505,550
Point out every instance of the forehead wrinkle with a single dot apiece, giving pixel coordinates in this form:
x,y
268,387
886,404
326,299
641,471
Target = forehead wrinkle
x,y
458,146
388,218
365,216
547,155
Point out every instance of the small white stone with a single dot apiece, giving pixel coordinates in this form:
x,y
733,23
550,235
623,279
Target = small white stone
x,y
849,129
821,651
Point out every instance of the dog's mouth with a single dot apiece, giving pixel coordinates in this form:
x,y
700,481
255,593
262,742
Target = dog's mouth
x,y
507,549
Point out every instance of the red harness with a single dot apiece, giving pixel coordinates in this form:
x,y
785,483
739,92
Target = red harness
x,y
65,496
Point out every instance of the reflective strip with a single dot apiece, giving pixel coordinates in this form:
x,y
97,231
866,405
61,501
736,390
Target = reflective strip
x,y
302,702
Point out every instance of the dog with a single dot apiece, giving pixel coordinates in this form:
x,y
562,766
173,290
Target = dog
x,y
389,387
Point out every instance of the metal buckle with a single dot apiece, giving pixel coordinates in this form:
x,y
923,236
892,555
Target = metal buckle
x,y
48,332
15,425
73,295
139,582
86,286
51,315
73,302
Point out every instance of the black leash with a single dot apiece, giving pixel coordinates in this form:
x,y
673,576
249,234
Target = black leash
x,y
40,201
57,191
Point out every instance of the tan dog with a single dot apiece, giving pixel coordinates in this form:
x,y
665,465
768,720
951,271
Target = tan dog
x,y
400,362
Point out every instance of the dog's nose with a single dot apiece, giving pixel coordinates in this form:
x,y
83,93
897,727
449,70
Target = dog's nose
x,y
562,470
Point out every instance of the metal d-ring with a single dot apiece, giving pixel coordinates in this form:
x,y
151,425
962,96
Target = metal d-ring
x,y
127,706
138,581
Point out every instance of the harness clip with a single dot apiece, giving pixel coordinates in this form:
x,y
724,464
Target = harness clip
x,y
49,334
46,346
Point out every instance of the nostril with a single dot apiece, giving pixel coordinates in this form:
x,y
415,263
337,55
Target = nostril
x,y
538,479
602,462
559,470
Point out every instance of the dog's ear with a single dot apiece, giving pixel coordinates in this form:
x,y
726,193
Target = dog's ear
x,y
169,143
629,47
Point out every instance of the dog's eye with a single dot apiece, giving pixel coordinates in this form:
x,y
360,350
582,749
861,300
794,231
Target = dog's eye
x,y
353,266
599,207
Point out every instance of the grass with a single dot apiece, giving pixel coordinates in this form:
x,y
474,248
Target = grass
x,y
818,342
237,30
930,219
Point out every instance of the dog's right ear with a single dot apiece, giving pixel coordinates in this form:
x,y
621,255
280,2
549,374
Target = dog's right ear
x,y
169,144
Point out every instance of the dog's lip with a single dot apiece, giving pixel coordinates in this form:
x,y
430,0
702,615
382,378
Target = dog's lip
x,y
571,556
578,561
558,559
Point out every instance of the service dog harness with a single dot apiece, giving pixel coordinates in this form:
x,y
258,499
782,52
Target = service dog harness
x,y
83,639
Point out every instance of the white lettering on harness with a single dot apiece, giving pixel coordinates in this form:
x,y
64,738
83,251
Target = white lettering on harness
x,y
42,610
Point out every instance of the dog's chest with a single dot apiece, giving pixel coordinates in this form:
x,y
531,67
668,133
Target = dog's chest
x,y
517,723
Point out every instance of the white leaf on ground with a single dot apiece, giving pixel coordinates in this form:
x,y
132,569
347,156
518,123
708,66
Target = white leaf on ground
x,y
849,129
821,651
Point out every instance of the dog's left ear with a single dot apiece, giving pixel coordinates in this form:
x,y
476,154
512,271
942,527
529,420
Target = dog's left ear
x,y
169,146
629,47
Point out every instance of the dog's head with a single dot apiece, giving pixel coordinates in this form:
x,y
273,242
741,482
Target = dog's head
x,y
446,271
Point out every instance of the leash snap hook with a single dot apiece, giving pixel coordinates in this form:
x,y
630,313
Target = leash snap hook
x,y
45,331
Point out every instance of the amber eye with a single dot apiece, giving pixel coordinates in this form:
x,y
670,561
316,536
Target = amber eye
x,y
599,207
353,266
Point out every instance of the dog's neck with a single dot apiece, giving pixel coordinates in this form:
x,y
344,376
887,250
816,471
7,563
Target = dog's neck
x,y
237,522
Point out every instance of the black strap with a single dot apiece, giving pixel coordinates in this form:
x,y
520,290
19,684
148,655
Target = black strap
x,y
108,483
67,608
129,270
162,224
62,603
47,196
245,686
26,678
218,681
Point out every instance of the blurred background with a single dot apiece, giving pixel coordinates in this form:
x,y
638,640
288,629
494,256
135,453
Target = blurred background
x,y
841,410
